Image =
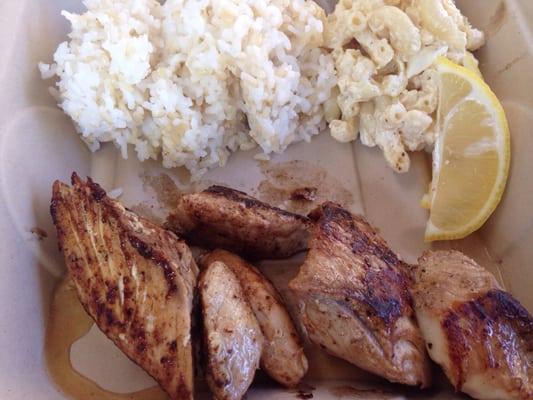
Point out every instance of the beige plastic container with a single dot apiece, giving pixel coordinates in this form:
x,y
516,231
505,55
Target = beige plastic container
x,y
38,145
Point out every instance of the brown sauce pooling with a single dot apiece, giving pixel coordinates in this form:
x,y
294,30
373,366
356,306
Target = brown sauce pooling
x,y
167,192
67,323
351,392
39,233
299,186
303,391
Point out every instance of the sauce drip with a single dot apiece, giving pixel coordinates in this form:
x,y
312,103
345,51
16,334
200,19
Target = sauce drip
x,y
299,186
167,192
67,323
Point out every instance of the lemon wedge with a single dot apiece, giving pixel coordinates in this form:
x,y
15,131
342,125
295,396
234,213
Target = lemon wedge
x,y
471,155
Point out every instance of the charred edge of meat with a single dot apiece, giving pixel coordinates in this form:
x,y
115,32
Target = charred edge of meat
x,y
54,204
144,249
197,339
95,189
493,308
515,313
330,209
183,391
250,202
387,289
378,300
378,292
457,347
149,253
356,238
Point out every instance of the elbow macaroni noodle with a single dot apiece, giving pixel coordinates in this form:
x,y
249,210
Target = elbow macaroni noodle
x,y
387,89
403,35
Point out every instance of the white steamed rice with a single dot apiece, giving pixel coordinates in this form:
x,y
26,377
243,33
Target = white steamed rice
x,y
190,81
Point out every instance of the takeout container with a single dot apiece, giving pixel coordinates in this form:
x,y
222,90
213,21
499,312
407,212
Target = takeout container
x,y
38,145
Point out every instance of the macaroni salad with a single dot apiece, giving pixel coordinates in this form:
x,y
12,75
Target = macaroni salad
x,y
387,90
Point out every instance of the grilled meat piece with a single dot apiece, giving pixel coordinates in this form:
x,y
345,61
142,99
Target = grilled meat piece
x,y
220,217
135,279
232,336
283,357
480,335
354,299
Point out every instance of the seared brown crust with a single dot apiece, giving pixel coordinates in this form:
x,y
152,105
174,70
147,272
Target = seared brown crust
x,y
496,322
232,337
385,287
383,290
134,278
443,277
283,357
249,201
351,281
227,218
487,335
357,234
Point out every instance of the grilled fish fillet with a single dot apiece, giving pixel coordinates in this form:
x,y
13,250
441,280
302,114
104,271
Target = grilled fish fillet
x,y
354,299
232,336
283,357
479,334
135,279
220,217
